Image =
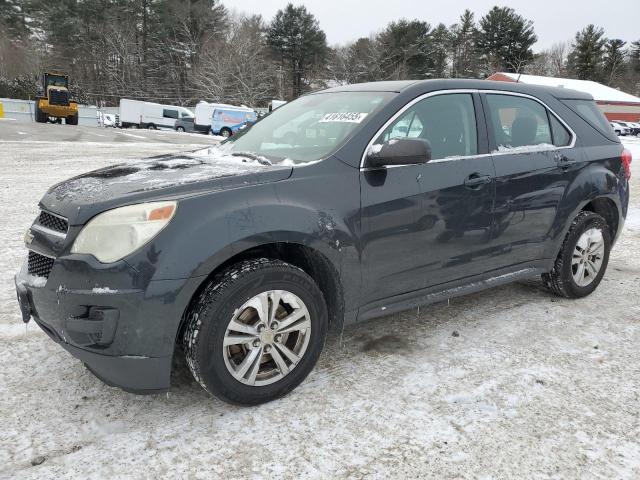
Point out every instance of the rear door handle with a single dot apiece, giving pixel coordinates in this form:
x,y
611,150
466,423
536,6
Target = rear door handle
x,y
476,181
562,160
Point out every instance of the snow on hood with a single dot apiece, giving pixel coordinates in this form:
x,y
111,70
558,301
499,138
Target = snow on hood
x,y
208,170
157,173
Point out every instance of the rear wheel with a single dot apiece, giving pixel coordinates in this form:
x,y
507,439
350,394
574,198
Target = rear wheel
x,y
256,331
225,132
180,129
583,258
151,126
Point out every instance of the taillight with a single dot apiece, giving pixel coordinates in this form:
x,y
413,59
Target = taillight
x,y
626,163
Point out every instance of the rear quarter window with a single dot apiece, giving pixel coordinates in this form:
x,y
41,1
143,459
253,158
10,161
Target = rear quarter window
x,y
561,136
590,113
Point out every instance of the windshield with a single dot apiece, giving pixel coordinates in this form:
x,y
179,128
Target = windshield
x,y
55,80
308,129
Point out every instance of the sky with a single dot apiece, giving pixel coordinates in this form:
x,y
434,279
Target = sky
x,y
554,20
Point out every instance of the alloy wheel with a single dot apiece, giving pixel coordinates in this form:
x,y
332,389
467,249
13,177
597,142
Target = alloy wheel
x,y
266,337
587,257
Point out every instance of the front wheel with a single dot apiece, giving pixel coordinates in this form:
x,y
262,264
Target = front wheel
x,y
583,258
41,117
225,132
255,331
72,120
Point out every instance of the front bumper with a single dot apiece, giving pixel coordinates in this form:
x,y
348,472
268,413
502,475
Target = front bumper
x,y
126,337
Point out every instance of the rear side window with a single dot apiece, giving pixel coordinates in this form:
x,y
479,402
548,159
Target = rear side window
x,y
589,111
447,122
519,122
167,113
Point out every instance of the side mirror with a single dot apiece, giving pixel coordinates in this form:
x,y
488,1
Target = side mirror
x,y
399,151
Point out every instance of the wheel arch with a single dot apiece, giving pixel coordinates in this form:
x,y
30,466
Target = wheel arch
x,y
606,208
311,260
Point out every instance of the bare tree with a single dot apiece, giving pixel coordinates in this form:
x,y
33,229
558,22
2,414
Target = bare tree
x,y
558,55
237,70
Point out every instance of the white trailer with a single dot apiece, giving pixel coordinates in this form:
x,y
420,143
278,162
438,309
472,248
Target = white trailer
x,y
134,113
273,104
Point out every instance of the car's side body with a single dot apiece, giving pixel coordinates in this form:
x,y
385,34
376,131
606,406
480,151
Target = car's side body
x,y
185,124
375,240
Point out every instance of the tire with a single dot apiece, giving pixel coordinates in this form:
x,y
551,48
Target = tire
x,y
73,120
151,126
225,132
562,279
180,129
224,299
41,117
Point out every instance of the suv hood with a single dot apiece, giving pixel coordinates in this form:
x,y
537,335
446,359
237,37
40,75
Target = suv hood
x,y
163,177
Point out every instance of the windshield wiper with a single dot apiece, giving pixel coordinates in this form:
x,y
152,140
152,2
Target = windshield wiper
x,y
252,156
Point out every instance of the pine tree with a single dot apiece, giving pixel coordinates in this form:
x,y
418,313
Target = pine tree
x,y
405,50
298,43
505,40
440,40
463,47
615,57
634,57
632,77
12,20
586,58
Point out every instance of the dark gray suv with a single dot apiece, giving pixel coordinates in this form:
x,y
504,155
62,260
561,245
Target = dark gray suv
x,y
346,204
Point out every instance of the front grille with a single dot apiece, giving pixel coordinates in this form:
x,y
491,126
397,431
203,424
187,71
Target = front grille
x,y
39,265
52,222
58,97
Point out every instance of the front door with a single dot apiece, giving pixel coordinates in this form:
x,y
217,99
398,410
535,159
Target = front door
x,y
428,224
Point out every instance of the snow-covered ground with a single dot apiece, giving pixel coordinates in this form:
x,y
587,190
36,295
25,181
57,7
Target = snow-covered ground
x,y
510,383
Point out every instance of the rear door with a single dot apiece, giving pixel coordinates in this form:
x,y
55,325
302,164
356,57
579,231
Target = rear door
x,y
534,162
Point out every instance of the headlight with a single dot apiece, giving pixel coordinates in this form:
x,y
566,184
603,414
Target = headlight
x,y
116,233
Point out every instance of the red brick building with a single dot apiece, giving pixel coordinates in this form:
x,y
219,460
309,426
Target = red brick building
x,y
616,105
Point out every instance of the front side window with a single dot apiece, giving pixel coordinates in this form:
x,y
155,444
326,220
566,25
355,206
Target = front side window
x,y
518,122
447,122
309,128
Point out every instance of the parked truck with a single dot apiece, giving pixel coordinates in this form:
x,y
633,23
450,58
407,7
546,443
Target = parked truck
x,y
139,114
53,101
273,104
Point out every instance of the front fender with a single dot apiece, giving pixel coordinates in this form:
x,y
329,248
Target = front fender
x,y
212,228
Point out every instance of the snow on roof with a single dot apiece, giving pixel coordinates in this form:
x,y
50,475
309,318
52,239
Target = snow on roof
x,y
598,91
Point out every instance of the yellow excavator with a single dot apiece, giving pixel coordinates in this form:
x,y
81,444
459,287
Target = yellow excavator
x,y
53,102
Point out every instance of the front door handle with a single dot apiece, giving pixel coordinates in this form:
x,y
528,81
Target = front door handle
x,y
476,181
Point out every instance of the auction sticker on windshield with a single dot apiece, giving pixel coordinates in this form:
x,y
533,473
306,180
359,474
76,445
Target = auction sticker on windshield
x,y
348,117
